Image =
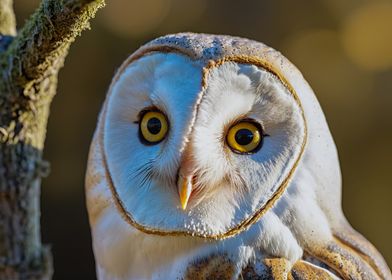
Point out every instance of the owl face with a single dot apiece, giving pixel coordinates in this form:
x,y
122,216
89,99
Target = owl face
x,y
199,149
211,137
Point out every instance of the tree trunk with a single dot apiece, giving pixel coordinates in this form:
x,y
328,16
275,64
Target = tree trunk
x,y
29,65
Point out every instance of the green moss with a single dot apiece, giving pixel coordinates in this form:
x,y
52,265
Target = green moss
x,y
29,69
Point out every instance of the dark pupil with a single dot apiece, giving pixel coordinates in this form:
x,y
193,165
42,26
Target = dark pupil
x,y
244,137
154,126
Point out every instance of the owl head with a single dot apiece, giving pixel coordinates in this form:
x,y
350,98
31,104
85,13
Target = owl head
x,y
205,135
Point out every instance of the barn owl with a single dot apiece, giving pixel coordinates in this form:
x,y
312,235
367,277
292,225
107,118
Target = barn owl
x,y
212,159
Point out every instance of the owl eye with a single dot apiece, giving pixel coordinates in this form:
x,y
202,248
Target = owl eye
x,y
245,137
153,127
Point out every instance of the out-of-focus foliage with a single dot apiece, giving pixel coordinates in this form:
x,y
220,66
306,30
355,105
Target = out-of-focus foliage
x,y
343,48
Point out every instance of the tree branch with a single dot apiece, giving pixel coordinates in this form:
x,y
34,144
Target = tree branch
x,y
7,18
29,68
41,44
38,51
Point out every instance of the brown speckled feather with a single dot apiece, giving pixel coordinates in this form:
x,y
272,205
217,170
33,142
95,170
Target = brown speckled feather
x,y
334,261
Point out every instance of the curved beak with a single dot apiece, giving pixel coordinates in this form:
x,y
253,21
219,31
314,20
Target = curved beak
x,y
185,177
184,186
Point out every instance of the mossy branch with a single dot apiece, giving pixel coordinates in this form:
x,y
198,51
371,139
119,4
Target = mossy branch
x,y
29,65
38,50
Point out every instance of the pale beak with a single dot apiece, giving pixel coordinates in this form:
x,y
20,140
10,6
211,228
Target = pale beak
x,y
185,176
184,186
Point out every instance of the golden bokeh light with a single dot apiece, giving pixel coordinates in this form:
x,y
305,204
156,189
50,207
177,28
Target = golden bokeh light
x,y
182,14
134,18
24,8
341,8
320,57
367,36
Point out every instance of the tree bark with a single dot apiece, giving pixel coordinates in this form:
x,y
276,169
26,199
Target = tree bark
x,y
29,64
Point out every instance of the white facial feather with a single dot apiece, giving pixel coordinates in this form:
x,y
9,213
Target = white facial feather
x,y
233,92
173,84
280,201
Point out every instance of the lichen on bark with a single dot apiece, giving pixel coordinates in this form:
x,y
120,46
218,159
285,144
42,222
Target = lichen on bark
x,y
29,63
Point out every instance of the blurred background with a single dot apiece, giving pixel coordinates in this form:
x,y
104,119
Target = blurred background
x,y
343,48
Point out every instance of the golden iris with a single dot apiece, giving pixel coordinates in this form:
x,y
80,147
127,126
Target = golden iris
x,y
153,126
244,137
